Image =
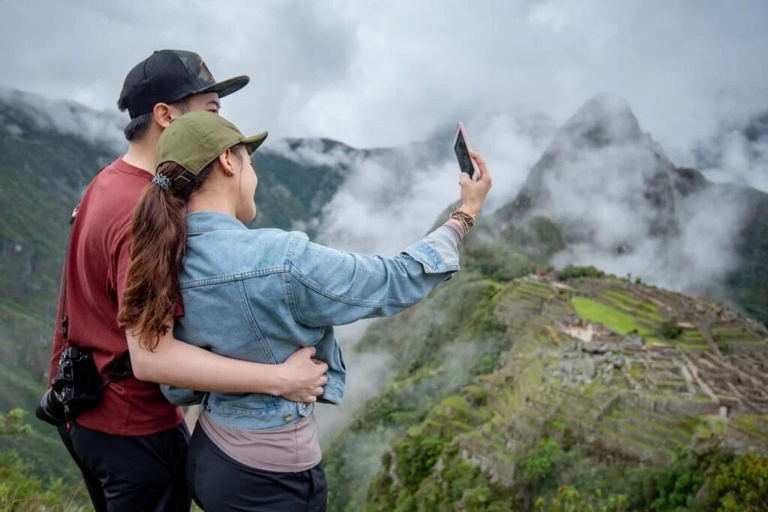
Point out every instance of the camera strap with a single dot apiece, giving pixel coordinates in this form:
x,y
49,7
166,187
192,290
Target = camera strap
x,y
64,316
121,366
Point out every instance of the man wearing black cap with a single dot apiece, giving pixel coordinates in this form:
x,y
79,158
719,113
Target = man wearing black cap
x,y
131,446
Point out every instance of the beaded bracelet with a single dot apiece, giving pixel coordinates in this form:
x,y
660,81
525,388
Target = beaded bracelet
x,y
467,220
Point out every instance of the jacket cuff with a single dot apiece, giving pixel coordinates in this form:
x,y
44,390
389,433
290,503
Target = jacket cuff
x,y
438,252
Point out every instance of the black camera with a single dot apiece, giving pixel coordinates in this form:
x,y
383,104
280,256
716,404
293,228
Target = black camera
x,y
75,388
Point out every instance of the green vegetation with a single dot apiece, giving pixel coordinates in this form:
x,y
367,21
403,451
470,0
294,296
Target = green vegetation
x,y
573,272
440,346
554,477
13,423
741,485
738,485
21,490
513,437
670,329
569,499
498,262
613,319
540,464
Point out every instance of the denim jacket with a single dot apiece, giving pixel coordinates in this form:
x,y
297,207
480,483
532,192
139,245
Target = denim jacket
x,y
261,294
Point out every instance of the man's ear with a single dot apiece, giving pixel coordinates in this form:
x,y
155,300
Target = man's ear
x,y
226,160
162,115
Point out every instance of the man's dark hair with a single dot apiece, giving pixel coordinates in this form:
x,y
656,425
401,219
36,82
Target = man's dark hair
x,y
138,126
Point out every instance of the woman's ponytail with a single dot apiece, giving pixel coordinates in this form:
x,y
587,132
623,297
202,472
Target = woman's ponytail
x,y
159,242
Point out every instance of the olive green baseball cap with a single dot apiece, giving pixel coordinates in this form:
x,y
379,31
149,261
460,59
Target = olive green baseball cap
x,y
195,139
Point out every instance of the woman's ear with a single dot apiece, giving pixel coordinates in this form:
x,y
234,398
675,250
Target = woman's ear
x,y
226,160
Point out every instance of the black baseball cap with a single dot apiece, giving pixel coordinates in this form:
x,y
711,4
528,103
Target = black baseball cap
x,y
168,76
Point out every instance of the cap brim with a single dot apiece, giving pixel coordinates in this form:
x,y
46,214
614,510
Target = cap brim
x,y
251,143
226,87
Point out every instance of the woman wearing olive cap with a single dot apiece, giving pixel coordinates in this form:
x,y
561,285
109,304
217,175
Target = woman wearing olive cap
x,y
257,295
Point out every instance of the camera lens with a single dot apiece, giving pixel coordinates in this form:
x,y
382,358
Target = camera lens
x,y
51,410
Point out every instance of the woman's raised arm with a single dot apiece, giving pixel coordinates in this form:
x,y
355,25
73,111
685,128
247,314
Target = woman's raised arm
x,y
330,287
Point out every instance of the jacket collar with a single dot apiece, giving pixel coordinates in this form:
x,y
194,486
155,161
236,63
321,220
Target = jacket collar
x,y
204,222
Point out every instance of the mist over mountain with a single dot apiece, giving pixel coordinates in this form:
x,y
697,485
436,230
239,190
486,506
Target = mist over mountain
x,y
609,196
738,154
38,113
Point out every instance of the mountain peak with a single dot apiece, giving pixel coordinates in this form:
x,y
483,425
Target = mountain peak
x,y
604,120
602,181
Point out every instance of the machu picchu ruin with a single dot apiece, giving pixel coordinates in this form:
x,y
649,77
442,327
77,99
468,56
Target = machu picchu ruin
x,y
618,375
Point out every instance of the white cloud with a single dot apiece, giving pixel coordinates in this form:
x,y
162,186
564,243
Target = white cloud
x,y
735,157
391,199
387,73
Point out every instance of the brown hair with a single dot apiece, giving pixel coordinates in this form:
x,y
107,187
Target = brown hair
x,y
159,242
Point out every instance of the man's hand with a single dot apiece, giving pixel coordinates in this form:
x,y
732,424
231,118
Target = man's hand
x,y
301,377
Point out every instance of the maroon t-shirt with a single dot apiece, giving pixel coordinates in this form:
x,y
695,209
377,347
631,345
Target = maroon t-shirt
x,y
97,265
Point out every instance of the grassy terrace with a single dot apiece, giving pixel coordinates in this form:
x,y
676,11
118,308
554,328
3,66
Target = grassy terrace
x,y
629,301
692,339
753,426
612,318
736,336
624,313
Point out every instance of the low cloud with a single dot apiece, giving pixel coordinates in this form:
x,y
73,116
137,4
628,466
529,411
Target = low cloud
x,y
68,117
391,198
366,373
608,185
738,155
311,152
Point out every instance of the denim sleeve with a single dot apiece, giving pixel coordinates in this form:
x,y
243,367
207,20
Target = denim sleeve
x,y
330,287
181,396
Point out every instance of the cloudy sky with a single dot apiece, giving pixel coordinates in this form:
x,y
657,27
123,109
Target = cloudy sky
x,y
387,73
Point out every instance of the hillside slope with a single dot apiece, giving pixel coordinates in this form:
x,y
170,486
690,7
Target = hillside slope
x,y
607,374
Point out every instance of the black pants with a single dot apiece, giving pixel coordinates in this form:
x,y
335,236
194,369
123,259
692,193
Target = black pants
x,y
132,473
92,483
218,483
